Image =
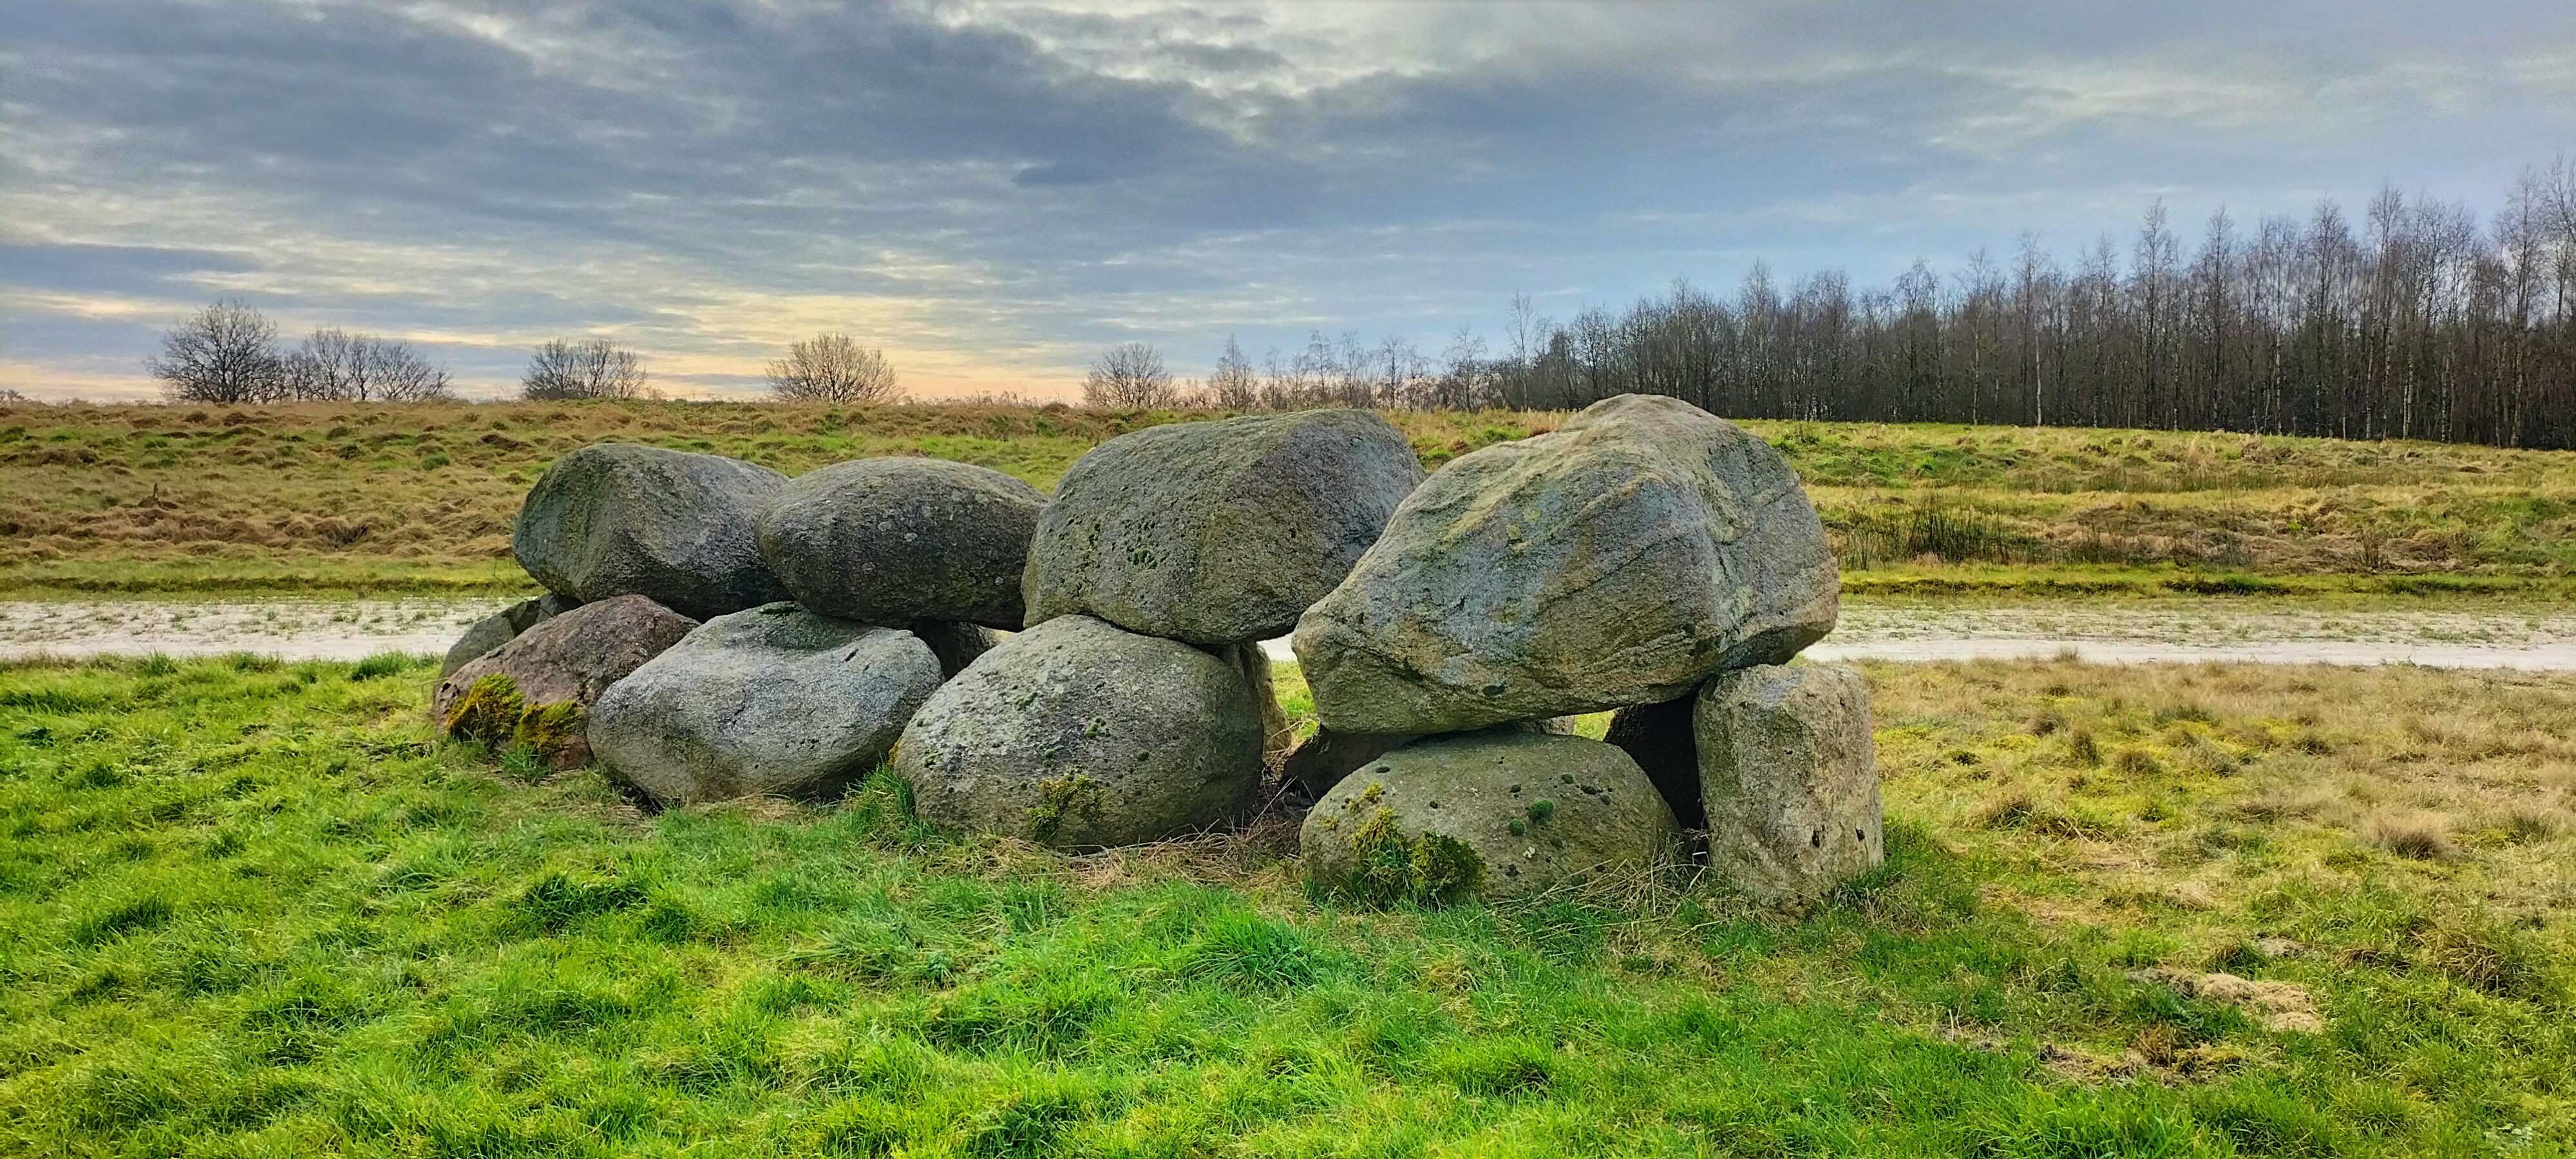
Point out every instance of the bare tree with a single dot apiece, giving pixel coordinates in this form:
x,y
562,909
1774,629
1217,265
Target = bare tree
x,y
1234,386
591,368
1129,375
338,366
226,352
832,368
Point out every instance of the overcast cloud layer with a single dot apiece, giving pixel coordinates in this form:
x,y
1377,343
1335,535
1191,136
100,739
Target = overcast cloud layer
x,y
994,191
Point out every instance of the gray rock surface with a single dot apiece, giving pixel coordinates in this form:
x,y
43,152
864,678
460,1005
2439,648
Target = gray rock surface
x,y
1217,532
1498,813
1790,779
615,519
776,701
502,627
1633,553
573,657
888,541
1078,734
1658,737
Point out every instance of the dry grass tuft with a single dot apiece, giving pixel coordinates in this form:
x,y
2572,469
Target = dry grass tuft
x,y
2420,837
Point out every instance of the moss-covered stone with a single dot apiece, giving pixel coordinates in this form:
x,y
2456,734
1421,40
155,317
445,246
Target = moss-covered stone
x,y
548,730
1492,814
488,712
1076,797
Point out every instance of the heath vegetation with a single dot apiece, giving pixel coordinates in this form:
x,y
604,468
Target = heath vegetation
x,y
310,497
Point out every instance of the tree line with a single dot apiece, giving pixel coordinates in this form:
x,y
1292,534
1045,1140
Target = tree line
x,y
2415,321
229,353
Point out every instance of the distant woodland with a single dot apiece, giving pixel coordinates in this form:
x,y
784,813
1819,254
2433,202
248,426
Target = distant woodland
x,y
2414,320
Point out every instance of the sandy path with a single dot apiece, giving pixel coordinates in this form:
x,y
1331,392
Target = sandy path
x,y
291,629
2107,633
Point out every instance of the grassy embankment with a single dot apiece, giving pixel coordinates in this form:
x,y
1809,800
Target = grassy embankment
x,y
247,909
333,499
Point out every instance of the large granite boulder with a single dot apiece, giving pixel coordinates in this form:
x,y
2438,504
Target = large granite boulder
x,y
1635,552
561,665
776,701
888,541
1217,532
1658,737
615,519
502,627
1079,734
1790,779
1497,813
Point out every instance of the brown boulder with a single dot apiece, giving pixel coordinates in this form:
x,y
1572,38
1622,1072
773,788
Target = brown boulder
x,y
571,658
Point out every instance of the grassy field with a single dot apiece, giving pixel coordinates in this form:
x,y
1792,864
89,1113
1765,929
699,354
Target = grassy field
x,y
247,909
338,498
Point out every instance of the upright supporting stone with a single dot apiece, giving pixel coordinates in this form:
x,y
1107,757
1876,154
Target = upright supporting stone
x,y
1789,778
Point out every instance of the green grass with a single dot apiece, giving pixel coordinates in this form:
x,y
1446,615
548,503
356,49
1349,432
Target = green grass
x,y
247,909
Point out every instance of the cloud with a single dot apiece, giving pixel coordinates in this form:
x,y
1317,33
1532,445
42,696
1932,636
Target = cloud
x,y
996,190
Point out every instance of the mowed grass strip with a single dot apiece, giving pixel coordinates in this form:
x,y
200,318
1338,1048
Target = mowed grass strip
x,y
334,497
248,909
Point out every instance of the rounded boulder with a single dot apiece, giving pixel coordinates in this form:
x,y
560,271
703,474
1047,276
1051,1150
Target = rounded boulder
x,y
889,541
776,701
1499,813
1622,559
568,660
615,519
1078,734
1217,532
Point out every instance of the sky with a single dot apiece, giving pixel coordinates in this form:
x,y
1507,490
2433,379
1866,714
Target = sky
x,y
995,191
